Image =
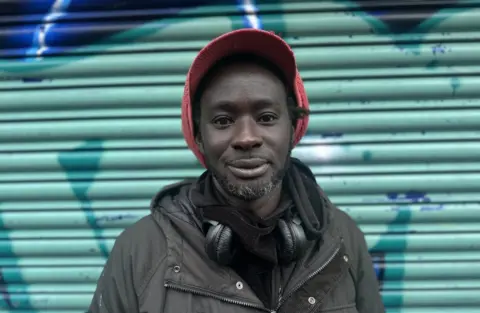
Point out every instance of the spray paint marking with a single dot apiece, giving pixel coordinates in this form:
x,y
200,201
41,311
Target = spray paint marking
x,y
378,251
4,291
7,250
39,44
250,10
72,162
118,217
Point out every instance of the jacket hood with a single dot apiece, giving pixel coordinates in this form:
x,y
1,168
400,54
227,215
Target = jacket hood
x,y
175,199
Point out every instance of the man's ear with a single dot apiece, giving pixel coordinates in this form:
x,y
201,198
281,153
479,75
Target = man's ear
x,y
199,142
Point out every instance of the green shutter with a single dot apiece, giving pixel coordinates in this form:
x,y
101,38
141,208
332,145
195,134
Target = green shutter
x,y
90,131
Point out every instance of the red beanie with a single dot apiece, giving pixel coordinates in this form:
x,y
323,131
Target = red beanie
x,y
259,42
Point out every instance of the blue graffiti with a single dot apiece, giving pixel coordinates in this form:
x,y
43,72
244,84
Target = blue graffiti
x,y
72,162
50,27
39,45
251,18
53,26
439,49
412,196
436,207
117,217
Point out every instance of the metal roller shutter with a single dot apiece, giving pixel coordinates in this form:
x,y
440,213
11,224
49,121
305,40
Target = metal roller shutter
x,y
90,130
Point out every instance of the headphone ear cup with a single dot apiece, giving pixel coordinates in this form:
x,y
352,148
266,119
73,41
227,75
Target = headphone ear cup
x,y
219,244
292,243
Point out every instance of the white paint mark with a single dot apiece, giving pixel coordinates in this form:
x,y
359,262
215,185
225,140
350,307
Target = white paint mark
x,y
251,13
39,38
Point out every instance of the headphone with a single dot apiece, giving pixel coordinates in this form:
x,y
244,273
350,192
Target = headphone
x,y
291,242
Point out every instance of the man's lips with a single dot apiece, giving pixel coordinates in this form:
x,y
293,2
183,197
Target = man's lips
x,y
248,168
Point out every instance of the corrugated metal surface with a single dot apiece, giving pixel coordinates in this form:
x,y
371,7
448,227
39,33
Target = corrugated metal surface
x,y
89,131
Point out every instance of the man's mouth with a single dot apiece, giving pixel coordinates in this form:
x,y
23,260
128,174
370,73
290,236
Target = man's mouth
x,y
248,168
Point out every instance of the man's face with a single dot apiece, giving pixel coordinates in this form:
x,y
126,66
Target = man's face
x,y
245,130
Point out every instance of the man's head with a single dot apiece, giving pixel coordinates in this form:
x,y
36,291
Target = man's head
x,y
244,118
244,108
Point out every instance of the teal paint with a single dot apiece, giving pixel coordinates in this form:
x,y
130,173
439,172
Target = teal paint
x,y
367,156
6,302
455,84
404,216
71,163
432,64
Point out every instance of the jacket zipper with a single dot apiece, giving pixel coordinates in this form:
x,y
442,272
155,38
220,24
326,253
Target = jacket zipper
x,y
283,299
214,296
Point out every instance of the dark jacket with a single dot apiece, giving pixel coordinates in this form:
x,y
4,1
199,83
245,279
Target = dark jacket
x,y
159,265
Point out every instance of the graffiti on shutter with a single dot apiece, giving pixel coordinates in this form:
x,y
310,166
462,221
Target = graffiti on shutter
x,y
90,130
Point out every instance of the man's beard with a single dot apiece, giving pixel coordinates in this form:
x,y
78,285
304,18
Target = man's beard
x,y
250,191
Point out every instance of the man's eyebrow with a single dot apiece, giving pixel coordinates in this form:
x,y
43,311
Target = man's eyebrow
x,y
265,103
224,106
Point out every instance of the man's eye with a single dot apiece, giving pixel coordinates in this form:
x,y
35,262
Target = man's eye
x,y
267,118
222,121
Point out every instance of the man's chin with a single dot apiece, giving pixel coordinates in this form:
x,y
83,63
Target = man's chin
x,y
250,191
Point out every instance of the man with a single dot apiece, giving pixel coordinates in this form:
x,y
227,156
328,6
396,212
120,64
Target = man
x,y
254,233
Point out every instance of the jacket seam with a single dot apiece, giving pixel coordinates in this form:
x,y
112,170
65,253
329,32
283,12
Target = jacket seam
x,y
149,277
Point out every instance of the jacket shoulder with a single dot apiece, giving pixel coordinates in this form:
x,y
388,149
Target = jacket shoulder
x,y
353,236
142,247
345,223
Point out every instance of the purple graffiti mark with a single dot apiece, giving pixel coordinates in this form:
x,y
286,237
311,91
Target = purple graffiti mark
x,y
379,266
377,13
4,291
411,196
32,80
439,49
118,217
438,207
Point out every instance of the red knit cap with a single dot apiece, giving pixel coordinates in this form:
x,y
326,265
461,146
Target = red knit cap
x,y
259,42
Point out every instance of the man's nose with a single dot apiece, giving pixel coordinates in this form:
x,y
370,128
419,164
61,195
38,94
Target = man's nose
x,y
247,135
